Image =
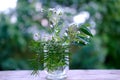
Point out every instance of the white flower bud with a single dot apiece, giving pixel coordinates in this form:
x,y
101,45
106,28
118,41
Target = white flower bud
x,y
36,36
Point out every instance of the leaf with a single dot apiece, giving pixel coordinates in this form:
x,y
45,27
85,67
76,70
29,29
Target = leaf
x,y
80,43
83,39
86,31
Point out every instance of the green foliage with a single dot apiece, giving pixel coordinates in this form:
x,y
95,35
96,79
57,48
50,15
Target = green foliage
x,y
11,42
14,37
37,48
105,13
89,56
111,32
86,31
55,54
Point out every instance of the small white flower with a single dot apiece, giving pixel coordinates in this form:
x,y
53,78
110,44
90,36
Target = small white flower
x,y
47,37
73,24
65,34
51,26
36,36
59,11
52,9
41,10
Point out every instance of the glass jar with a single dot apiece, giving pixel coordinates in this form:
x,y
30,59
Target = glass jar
x,y
56,60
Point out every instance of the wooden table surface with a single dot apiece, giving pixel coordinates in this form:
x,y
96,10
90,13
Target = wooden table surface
x,y
72,75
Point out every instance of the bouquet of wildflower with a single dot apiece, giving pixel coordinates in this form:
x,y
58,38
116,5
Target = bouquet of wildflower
x,y
56,46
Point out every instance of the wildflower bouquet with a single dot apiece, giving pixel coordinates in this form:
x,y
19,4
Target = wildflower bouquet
x,y
56,47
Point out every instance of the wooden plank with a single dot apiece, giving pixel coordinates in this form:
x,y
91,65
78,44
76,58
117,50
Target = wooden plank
x,y
72,75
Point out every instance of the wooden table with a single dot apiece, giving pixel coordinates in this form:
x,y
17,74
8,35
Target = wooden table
x,y
72,75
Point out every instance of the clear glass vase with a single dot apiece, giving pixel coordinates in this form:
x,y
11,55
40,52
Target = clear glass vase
x,y
58,74
56,60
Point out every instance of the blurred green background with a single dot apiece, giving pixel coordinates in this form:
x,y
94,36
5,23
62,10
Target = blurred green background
x,y
17,25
